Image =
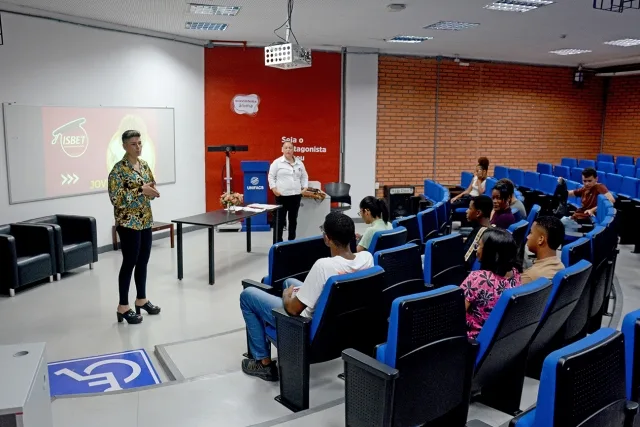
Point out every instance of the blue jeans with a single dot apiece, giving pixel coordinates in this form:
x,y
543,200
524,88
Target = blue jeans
x,y
256,306
570,224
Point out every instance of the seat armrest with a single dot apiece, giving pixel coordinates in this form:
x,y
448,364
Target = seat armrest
x,y
517,418
248,283
57,239
363,375
369,364
630,412
9,261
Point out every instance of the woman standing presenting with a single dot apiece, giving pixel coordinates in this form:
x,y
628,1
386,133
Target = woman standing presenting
x,y
287,179
131,189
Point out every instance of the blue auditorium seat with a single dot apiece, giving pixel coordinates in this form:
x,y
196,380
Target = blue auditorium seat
x,y
428,223
423,371
518,230
516,176
576,174
465,179
607,167
545,168
568,162
347,315
489,184
292,259
531,180
604,158
402,272
533,216
504,341
614,182
547,184
562,171
624,160
444,261
500,172
631,331
602,177
630,187
568,285
575,327
627,170
584,163
442,217
385,239
575,251
413,228
583,384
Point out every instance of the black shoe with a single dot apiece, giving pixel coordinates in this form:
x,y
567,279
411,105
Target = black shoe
x,y
148,307
131,317
256,369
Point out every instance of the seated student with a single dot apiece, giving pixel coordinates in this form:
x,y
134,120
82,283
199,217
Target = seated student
x,y
589,193
375,213
476,187
298,298
545,237
513,201
478,215
501,216
482,288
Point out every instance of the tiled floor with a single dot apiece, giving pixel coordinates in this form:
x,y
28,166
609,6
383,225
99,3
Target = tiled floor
x,y
76,318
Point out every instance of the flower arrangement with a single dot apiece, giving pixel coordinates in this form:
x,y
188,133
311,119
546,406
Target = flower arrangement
x,y
228,200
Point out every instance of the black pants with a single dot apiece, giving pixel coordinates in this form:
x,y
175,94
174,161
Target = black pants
x,y
136,249
290,207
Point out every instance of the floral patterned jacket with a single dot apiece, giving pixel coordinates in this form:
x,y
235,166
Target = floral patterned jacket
x,y
131,208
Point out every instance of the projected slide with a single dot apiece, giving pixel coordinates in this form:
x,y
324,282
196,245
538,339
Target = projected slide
x,y
62,151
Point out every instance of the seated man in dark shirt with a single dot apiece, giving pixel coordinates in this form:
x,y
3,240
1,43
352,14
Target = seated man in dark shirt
x,y
589,198
478,215
501,216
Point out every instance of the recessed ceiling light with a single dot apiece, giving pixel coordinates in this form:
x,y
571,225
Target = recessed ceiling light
x,y
451,25
517,5
569,51
206,9
205,26
408,39
624,42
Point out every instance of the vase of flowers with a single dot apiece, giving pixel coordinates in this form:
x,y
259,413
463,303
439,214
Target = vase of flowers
x,y
231,200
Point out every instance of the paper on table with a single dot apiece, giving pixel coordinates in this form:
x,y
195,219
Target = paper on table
x,y
248,209
261,206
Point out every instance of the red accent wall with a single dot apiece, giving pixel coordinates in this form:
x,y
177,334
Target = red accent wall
x,y
302,104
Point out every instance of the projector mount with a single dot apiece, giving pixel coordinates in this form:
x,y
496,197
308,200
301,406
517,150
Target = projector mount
x,y
616,5
286,55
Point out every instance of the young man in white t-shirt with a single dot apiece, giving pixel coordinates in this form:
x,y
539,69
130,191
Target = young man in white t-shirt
x,y
298,298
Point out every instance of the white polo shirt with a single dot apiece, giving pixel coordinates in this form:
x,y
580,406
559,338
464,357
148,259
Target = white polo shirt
x,y
288,179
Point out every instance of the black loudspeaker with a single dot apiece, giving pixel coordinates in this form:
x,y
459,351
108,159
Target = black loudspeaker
x,y
399,198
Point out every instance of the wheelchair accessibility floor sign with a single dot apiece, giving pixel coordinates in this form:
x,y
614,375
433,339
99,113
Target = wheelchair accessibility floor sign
x,y
98,374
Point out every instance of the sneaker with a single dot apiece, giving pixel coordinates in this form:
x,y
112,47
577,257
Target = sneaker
x,y
256,369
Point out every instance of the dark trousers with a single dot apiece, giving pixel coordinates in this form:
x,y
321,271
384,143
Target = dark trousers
x,y
136,249
290,207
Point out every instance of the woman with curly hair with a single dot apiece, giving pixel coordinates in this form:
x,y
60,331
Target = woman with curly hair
x,y
476,187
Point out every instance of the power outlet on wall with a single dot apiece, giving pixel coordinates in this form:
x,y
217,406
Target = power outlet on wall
x,y
377,185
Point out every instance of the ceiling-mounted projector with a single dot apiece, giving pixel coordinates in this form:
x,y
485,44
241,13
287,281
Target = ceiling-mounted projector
x,y
287,56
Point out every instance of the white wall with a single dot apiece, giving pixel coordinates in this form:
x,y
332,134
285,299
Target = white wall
x,y
360,126
45,62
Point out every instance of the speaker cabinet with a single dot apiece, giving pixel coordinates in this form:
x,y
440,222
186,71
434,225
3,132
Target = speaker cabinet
x,y
399,198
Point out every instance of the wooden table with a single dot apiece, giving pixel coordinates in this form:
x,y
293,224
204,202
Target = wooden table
x,y
157,226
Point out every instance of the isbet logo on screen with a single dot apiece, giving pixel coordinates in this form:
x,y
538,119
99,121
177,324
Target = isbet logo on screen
x,y
254,184
72,138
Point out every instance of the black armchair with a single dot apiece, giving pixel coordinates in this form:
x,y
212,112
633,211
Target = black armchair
x,y
27,255
76,240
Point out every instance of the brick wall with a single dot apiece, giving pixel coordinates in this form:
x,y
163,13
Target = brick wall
x,y
622,124
515,115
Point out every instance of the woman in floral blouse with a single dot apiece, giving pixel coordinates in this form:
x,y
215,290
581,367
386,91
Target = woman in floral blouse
x,y
482,288
131,189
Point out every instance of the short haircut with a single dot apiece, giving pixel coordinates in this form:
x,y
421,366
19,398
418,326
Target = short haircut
x,y
509,184
498,252
483,204
553,228
339,228
589,173
127,135
503,190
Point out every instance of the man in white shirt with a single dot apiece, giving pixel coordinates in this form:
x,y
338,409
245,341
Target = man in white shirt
x,y
298,298
287,179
